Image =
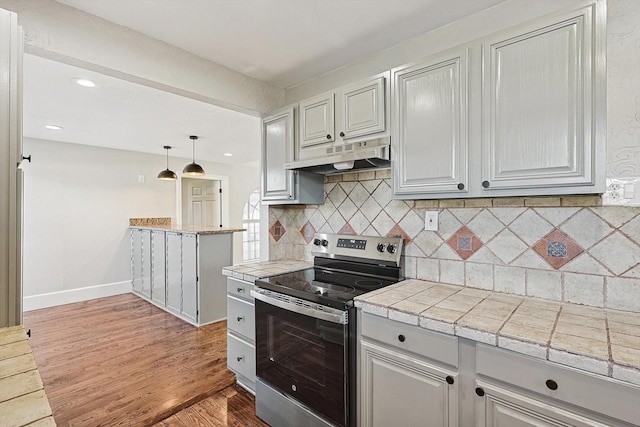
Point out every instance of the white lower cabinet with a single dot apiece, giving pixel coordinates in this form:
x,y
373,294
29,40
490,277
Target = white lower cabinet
x,y
406,378
241,333
182,272
521,391
409,376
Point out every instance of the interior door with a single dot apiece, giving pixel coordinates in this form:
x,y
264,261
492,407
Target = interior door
x,y
203,207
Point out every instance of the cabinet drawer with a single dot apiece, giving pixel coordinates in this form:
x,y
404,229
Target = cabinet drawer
x,y
241,357
433,345
239,288
240,317
603,395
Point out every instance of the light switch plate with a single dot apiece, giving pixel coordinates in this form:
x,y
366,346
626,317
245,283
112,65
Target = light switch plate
x,y
431,220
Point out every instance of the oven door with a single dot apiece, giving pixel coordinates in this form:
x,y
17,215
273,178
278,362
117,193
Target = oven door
x,y
300,351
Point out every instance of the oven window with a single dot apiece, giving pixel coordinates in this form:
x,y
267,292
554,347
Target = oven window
x,y
303,357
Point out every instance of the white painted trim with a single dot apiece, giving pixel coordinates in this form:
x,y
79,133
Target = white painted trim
x,y
51,299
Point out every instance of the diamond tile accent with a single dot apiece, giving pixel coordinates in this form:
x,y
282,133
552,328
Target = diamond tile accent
x,y
347,229
358,195
308,232
398,231
370,208
464,242
277,230
557,248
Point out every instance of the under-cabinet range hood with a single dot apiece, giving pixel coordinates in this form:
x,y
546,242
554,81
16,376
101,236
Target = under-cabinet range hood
x,y
356,156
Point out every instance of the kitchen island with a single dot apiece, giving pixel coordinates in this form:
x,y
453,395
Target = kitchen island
x,y
179,269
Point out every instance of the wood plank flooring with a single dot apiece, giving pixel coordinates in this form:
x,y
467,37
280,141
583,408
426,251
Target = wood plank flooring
x,y
122,361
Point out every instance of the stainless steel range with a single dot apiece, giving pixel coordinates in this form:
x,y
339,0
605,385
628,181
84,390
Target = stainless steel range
x,y
306,330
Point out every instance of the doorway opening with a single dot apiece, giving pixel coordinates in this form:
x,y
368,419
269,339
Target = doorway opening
x,y
202,201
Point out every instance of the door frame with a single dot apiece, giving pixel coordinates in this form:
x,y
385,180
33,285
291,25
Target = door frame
x,y
224,185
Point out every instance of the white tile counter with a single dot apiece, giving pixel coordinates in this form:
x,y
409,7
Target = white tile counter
x,y
22,397
255,270
602,341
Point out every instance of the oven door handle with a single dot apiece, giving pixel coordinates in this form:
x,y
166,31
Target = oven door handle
x,y
316,311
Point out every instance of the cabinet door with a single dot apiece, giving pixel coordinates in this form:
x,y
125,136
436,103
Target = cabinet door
x,y
429,126
500,407
277,149
136,260
539,106
317,122
174,272
158,268
190,276
363,109
145,288
399,390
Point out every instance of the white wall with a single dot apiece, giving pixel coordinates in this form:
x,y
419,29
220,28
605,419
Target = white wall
x,y
77,204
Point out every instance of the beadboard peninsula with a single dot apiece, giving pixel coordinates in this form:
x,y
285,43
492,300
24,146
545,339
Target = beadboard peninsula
x,y
179,269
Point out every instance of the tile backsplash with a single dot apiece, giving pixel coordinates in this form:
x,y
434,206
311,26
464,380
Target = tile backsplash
x,y
568,249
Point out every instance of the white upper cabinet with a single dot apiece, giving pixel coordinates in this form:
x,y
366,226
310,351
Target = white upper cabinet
x,y
429,126
538,105
521,112
363,108
280,185
277,149
329,122
317,123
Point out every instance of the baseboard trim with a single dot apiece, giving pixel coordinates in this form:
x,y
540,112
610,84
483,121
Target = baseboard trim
x,y
52,299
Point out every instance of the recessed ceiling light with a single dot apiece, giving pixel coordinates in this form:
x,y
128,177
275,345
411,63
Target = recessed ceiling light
x,y
228,154
85,82
53,127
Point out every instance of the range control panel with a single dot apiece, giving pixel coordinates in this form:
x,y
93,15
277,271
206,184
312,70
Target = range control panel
x,y
373,249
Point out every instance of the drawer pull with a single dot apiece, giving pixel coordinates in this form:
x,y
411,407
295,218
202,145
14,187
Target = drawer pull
x,y
449,379
240,318
552,385
401,338
479,391
240,290
239,358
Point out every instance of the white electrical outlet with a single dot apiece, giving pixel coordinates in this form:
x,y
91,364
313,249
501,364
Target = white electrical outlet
x,y
431,220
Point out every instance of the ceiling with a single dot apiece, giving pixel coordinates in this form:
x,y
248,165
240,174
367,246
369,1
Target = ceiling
x,y
281,42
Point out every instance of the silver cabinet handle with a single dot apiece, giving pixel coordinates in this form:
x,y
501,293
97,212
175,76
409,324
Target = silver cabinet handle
x,y
240,290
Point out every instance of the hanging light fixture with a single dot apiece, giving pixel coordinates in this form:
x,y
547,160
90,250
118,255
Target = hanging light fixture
x,y
167,174
193,168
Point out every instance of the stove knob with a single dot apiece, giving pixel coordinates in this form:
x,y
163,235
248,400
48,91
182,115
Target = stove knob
x,y
317,242
391,249
381,247
325,243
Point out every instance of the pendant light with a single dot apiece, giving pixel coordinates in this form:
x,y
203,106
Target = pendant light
x,y
193,168
167,174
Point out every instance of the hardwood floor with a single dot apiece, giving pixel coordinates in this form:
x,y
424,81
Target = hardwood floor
x,y
123,361
233,406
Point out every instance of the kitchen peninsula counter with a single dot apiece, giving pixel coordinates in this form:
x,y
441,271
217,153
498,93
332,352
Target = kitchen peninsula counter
x,y
597,340
192,229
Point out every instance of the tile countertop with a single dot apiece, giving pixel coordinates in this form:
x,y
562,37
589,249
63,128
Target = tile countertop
x,y
22,397
255,270
601,341
192,229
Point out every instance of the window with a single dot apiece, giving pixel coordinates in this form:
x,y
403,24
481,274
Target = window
x,y
251,221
